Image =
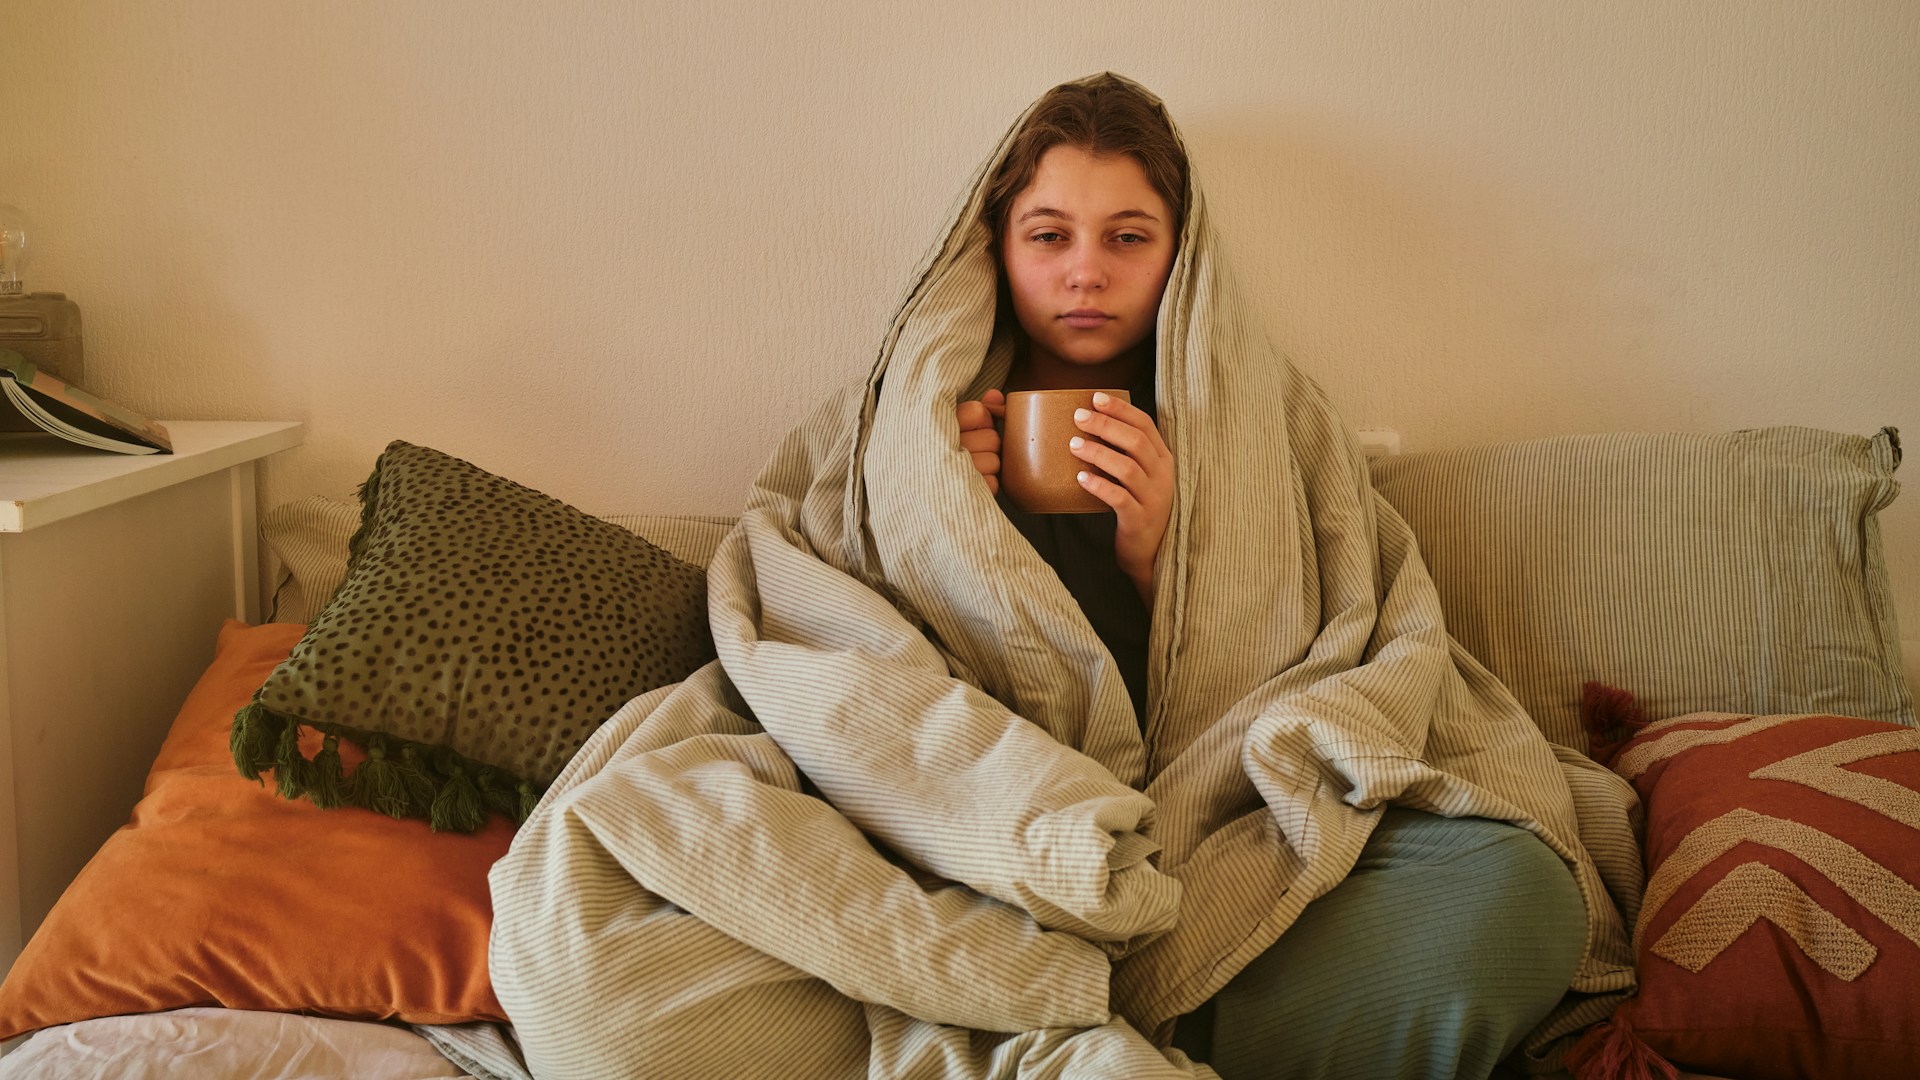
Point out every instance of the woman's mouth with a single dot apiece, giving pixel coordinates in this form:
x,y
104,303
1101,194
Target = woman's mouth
x,y
1086,318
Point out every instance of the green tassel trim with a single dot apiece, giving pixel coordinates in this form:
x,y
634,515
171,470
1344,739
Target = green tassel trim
x,y
290,766
376,784
326,778
255,739
421,782
400,778
369,493
457,807
496,791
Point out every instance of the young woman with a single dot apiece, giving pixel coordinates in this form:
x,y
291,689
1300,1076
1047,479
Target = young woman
x,y
1452,937
1085,240
975,794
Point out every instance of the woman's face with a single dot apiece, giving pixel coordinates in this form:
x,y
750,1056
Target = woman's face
x,y
1087,251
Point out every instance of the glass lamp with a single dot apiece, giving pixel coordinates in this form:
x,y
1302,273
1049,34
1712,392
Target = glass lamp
x,y
13,251
43,327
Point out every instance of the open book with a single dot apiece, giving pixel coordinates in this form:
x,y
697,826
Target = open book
x,y
75,415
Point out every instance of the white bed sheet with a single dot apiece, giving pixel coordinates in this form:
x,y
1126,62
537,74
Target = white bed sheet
x,y
234,1044
225,1044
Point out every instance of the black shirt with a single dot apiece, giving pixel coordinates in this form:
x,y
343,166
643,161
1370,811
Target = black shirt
x,y
1079,547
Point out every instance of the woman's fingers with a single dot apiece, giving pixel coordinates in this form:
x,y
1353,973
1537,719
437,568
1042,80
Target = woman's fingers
x,y
1124,411
980,439
974,415
1114,495
996,403
1125,432
1115,464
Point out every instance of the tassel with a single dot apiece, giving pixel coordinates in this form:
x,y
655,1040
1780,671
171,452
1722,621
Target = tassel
x,y
529,798
369,493
494,792
419,780
458,806
326,778
254,736
290,765
1611,1051
376,784
1612,718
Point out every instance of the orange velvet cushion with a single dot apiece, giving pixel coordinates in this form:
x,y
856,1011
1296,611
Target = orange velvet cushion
x,y
219,892
1780,935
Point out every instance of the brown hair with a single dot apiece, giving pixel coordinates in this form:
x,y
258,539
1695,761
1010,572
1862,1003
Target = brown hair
x,y
1105,116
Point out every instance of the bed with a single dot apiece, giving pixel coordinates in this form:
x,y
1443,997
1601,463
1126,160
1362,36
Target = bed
x,y
1662,601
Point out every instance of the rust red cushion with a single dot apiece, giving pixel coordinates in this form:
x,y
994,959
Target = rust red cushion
x,y
220,892
1780,934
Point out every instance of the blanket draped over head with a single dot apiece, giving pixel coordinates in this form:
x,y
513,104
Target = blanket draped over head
x,y
908,825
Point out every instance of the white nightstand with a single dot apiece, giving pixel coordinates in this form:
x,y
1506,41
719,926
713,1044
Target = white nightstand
x,y
115,575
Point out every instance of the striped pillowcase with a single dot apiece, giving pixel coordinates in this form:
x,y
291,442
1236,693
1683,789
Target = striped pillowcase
x,y
1737,572
1734,572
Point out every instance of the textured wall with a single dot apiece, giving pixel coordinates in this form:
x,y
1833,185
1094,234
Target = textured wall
x,y
613,249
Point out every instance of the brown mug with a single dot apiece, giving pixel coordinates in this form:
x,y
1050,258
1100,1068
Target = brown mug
x,y
1038,470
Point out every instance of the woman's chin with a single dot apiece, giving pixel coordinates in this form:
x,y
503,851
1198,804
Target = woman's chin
x,y
1089,358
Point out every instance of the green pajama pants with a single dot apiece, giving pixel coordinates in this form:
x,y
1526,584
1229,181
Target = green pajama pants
x,y
1450,939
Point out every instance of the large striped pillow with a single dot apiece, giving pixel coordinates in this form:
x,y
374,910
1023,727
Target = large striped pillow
x,y
1739,572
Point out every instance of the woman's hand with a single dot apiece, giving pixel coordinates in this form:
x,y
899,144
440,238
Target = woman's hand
x,y
1141,488
978,435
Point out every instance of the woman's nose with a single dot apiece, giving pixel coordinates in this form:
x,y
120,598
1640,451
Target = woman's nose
x,y
1087,271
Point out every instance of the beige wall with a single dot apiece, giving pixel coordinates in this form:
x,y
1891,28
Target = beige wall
x,y
612,249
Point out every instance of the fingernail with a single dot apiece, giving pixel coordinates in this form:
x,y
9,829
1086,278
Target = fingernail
x,y
1101,399
1081,476
1082,414
1076,442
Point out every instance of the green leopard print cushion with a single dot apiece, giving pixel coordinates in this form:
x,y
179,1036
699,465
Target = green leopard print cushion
x,y
483,632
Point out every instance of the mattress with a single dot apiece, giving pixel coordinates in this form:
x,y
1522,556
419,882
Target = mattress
x,y
234,1044
225,1044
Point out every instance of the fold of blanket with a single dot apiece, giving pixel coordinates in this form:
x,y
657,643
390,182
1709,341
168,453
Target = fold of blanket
x,y
908,824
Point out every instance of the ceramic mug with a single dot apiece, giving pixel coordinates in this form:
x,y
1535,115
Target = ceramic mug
x,y
1038,470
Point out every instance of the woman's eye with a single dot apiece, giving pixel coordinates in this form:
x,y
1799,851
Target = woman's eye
x,y
1047,236
1131,239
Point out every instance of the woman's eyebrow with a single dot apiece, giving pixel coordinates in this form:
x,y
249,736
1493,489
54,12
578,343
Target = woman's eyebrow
x,y
1048,211
1044,211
